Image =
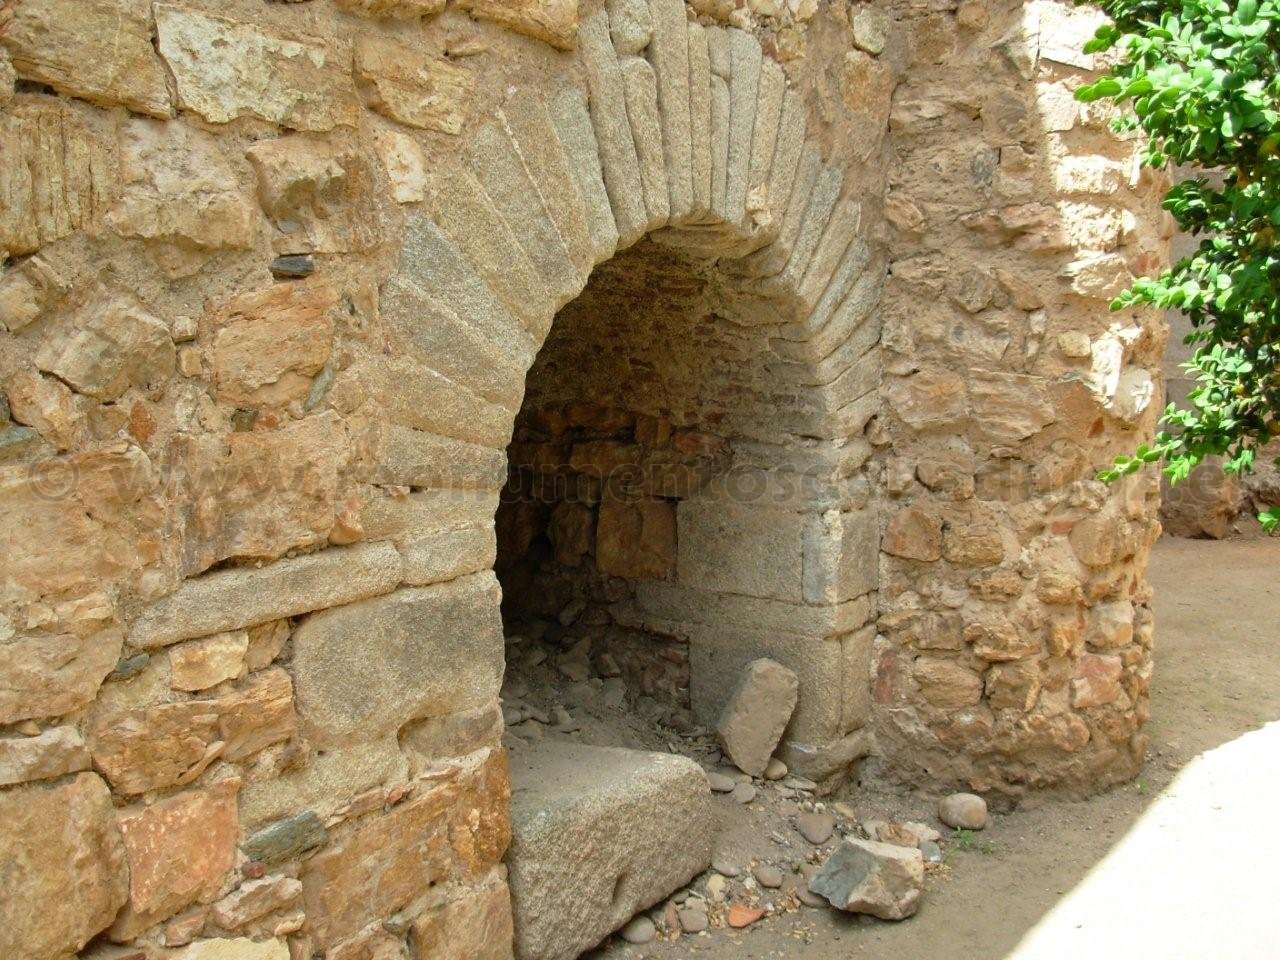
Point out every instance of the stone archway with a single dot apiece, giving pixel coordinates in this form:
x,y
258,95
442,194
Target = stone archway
x,y
548,193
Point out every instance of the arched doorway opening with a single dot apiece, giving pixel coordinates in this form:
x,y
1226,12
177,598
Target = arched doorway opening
x,y
661,529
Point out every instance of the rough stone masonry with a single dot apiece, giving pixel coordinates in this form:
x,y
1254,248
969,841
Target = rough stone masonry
x,y
273,274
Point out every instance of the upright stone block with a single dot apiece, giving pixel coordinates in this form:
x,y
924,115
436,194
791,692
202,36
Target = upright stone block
x,y
764,140
365,670
792,130
578,140
646,130
721,118
499,168
746,62
613,130
753,720
528,121
700,109
670,56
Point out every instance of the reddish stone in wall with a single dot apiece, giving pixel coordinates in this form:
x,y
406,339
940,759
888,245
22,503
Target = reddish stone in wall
x,y
475,926
914,533
171,743
637,539
62,871
270,343
1097,681
179,851
459,824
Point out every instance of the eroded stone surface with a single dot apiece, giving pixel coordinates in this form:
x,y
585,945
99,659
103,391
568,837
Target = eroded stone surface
x,y
402,83
642,818
226,69
66,874
552,21
115,346
99,50
475,925
176,185
179,851
51,753
348,692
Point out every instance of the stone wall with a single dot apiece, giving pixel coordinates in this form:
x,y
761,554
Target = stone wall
x,y
273,277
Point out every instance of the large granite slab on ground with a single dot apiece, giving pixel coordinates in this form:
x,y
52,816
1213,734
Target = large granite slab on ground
x,y
599,834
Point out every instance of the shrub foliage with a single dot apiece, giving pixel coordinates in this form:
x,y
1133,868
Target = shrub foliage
x,y
1200,78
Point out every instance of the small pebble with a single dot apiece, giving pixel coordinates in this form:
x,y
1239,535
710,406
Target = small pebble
x,y
716,886
966,811
931,852
775,770
719,783
816,827
767,875
693,919
811,899
639,930
722,864
743,793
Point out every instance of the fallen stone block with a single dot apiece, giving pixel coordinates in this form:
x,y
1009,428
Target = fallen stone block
x,y
756,715
599,834
864,876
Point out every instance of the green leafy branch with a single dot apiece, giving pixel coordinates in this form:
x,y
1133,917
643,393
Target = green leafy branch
x,y
1200,79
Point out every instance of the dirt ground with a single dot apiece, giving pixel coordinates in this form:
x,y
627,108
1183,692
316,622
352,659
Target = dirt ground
x,y
1217,677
